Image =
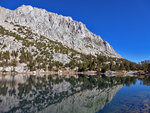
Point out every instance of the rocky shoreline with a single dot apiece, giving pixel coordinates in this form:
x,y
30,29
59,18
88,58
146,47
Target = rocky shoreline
x,y
72,73
47,73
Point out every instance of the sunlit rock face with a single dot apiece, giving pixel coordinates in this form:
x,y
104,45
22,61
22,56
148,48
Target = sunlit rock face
x,y
56,27
89,101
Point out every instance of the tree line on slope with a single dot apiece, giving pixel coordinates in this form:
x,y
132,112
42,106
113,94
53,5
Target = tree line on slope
x,y
145,65
42,57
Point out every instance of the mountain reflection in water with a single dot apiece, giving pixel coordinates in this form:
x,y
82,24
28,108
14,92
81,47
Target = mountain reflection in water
x,y
53,94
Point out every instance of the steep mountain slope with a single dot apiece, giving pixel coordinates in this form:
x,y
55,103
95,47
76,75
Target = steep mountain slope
x,y
36,39
71,33
23,48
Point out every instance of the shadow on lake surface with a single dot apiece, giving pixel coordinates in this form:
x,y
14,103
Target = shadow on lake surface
x,y
80,94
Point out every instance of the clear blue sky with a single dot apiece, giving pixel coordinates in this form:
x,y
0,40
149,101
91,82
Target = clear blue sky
x,y
125,24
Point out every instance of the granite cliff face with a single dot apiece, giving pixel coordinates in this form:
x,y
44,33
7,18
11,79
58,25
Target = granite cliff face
x,y
59,28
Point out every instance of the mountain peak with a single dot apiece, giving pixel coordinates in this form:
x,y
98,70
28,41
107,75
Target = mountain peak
x,y
25,8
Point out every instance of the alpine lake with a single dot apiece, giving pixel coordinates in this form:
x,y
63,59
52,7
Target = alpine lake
x,y
74,94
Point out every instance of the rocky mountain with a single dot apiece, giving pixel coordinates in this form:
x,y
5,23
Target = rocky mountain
x,y
31,36
71,33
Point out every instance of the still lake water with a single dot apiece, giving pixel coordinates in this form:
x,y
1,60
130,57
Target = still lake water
x,y
78,94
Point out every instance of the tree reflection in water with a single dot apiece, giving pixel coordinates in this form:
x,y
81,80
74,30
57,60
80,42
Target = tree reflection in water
x,y
83,93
